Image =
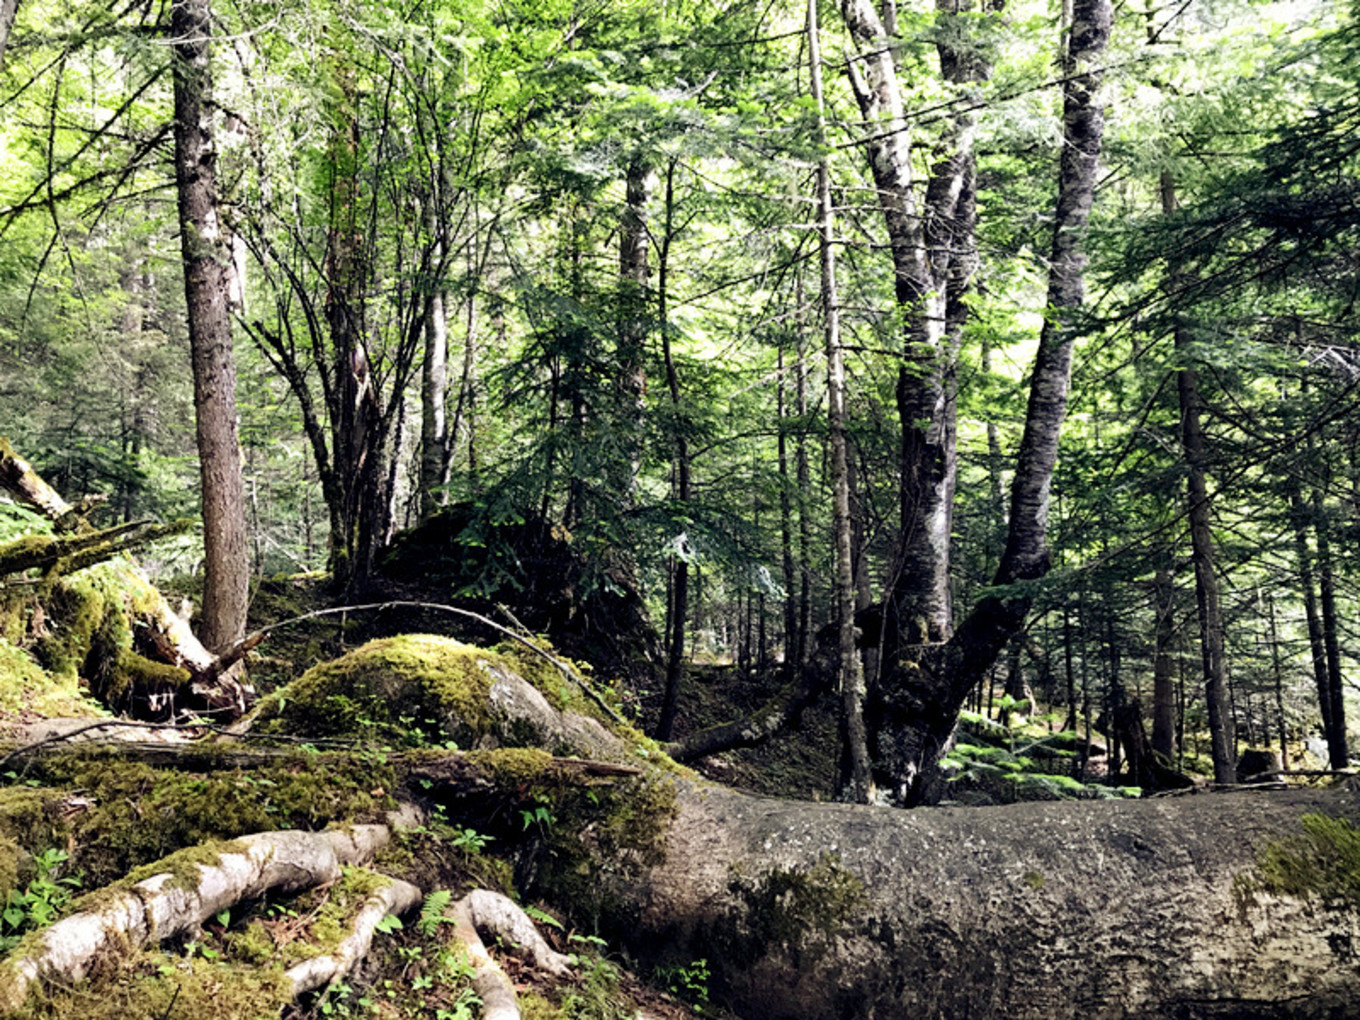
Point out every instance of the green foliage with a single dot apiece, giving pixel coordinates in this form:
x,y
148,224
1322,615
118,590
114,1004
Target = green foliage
x,y
41,902
687,981
1012,764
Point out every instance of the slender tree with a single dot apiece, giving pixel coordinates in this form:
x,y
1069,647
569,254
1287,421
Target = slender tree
x,y
208,270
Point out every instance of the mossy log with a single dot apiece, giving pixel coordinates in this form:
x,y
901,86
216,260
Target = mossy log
x,y
165,670
833,912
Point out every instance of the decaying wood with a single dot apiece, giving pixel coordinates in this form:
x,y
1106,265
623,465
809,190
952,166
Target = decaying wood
x,y
214,687
164,906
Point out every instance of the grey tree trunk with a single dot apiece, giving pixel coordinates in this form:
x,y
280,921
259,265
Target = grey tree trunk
x,y
919,585
8,9
1035,911
207,256
923,708
434,377
856,784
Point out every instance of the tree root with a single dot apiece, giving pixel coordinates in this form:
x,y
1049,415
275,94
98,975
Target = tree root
x,y
396,898
499,916
184,891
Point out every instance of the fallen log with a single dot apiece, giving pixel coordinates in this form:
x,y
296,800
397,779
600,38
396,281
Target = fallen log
x,y
196,680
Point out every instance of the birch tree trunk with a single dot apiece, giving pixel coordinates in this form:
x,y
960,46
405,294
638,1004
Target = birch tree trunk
x,y
207,283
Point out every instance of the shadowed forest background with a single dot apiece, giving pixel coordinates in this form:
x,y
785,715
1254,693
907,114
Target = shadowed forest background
x,y
857,402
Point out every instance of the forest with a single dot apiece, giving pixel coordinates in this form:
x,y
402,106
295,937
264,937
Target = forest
x,y
621,509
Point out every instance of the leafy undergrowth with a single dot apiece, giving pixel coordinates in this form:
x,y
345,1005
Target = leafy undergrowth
x,y
1022,759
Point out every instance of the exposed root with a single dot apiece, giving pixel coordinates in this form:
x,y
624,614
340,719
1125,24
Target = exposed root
x,y
499,916
192,887
396,898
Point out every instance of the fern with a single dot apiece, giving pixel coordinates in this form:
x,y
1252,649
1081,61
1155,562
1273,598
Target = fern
x,y
432,911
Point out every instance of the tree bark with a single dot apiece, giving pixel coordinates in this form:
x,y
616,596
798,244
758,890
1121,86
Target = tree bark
x,y
1163,667
434,374
1202,546
679,601
208,263
856,782
1337,750
8,9
922,708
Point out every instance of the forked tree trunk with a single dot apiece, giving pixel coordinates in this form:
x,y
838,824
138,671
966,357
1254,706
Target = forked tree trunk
x,y
921,709
207,283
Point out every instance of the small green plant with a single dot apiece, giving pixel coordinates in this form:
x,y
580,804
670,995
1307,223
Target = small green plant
x,y
540,815
432,912
468,840
39,904
687,981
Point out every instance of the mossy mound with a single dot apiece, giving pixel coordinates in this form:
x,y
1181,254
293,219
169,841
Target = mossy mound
x,y
128,814
421,690
27,689
414,688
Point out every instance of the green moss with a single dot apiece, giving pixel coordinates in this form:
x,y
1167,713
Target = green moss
x,y
139,814
535,1007
27,687
1323,862
10,860
26,819
253,945
614,829
1034,880
156,986
800,909
430,687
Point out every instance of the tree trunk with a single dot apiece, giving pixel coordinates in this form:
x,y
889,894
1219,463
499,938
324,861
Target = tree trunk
x,y
856,783
1298,514
1337,750
919,585
634,275
836,912
207,283
921,710
1163,667
8,9
679,601
1202,548
434,377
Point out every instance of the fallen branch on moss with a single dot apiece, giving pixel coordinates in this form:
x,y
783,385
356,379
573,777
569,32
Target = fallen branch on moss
x,y
178,896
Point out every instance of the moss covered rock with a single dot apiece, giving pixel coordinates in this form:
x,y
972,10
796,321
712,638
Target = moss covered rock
x,y
424,689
